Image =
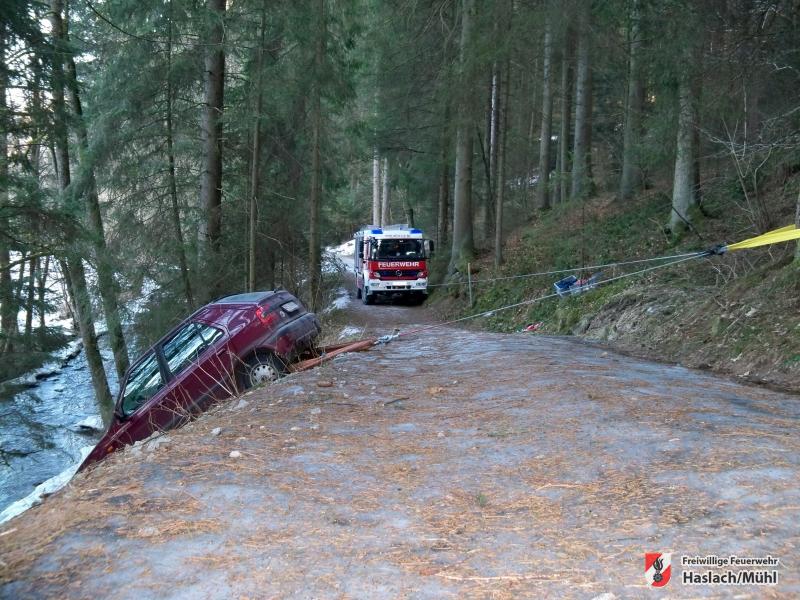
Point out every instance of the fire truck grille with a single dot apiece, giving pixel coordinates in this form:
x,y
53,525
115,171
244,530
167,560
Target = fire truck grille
x,y
398,274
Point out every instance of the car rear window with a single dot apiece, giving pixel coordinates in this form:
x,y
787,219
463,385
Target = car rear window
x,y
188,344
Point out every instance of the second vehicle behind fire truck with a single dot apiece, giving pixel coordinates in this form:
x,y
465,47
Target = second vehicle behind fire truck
x,y
391,261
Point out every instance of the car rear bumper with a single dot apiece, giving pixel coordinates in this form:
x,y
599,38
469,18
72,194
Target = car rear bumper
x,y
294,337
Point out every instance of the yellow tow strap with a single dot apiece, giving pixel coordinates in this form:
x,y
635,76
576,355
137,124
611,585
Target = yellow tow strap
x,y
784,234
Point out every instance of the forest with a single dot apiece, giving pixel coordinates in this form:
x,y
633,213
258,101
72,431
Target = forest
x,y
171,151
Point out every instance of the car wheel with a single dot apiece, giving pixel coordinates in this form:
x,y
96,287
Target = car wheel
x,y
261,368
358,293
367,297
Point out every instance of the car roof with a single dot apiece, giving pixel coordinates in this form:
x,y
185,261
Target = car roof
x,y
248,298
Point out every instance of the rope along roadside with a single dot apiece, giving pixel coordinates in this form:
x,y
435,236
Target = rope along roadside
x,y
576,269
490,312
776,236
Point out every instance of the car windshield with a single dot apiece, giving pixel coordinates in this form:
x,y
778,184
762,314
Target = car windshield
x,y
188,343
398,250
143,383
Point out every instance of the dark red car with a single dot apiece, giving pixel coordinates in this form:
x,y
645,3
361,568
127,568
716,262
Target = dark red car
x,y
225,347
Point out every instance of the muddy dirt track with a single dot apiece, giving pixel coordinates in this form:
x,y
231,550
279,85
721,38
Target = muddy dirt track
x,y
448,464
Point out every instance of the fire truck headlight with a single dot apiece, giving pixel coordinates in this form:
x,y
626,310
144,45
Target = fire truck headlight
x,y
422,274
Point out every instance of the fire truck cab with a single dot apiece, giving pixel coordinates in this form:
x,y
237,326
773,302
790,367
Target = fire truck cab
x,y
391,261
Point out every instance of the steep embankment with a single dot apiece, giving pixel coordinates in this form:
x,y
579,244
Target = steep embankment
x,y
737,314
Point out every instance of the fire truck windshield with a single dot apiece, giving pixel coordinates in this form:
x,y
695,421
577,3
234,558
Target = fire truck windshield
x,y
402,249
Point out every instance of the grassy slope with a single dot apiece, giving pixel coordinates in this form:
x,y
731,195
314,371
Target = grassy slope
x,y
737,314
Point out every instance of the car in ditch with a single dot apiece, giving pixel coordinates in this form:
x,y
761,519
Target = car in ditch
x,y
223,348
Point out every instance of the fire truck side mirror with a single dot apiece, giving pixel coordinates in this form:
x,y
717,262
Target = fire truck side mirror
x,y
429,243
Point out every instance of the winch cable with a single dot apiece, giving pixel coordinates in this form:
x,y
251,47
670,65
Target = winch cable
x,y
782,234
776,236
576,269
490,312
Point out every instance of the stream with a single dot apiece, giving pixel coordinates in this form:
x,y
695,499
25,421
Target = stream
x,y
39,432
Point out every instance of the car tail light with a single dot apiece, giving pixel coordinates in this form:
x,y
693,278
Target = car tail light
x,y
266,318
374,275
422,274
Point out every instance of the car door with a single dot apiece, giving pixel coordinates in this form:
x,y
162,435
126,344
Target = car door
x,y
144,391
198,361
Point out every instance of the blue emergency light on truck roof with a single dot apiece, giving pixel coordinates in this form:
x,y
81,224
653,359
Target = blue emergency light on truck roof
x,y
377,231
416,231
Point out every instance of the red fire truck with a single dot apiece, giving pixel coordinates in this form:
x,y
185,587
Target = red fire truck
x,y
391,261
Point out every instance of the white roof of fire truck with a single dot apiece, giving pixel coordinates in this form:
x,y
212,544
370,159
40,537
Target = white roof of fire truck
x,y
391,232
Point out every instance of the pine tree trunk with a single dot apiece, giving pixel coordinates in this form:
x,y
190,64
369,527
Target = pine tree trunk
x,y
683,182
8,315
409,210
376,187
443,208
493,121
35,160
534,117
566,116
443,197
34,265
500,177
83,309
20,284
210,229
631,178
41,296
255,158
66,294
314,262
697,89
463,247
173,185
8,312
488,204
105,272
386,195
581,150
543,184
74,266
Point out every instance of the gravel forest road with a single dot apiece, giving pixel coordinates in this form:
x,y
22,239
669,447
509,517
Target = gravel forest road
x,y
446,464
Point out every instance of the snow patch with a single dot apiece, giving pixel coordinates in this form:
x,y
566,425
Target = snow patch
x,y
337,258
89,424
341,301
349,330
344,249
50,486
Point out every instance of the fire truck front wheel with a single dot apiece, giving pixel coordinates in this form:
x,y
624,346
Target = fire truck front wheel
x,y
358,293
367,297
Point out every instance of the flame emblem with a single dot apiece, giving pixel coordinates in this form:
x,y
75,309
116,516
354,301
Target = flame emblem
x,y
658,565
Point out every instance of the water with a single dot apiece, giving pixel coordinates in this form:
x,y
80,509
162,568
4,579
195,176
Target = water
x,y
36,439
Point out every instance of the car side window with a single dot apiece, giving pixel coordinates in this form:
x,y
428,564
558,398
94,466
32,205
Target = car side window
x,y
188,343
143,383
